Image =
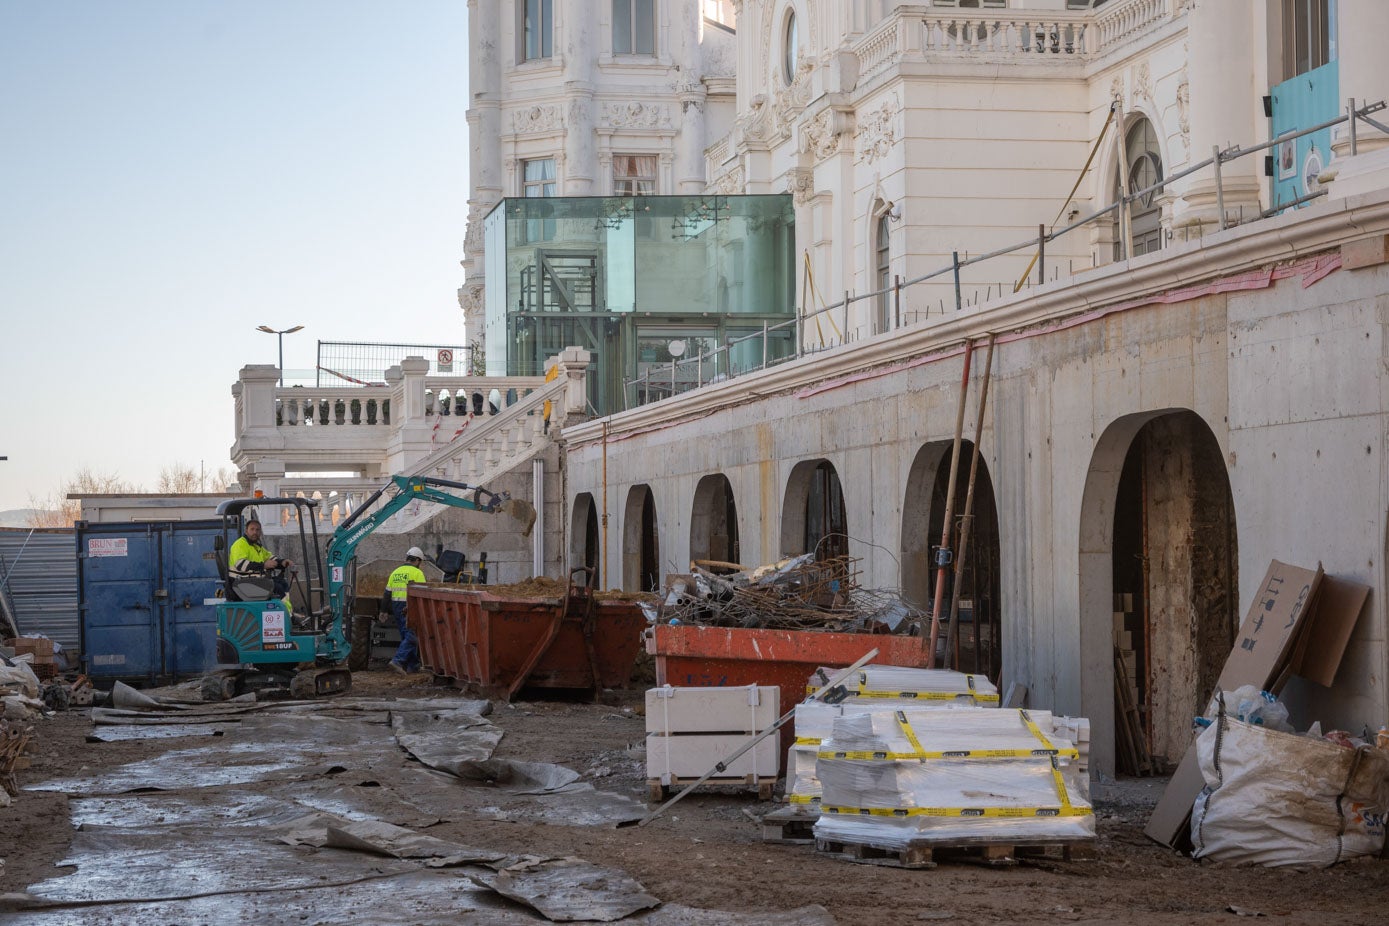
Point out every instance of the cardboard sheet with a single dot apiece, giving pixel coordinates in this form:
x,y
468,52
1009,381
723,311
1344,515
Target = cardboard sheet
x,y
1262,650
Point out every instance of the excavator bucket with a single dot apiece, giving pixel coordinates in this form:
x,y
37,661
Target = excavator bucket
x,y
521,510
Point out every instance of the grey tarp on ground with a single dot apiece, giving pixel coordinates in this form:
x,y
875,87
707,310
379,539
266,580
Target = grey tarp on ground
x,y
446,740
569,889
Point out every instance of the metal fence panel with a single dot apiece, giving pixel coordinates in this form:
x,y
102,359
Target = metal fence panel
x,y
40,568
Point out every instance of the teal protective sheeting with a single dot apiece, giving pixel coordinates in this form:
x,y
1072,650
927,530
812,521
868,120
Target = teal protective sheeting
x,y
1303,101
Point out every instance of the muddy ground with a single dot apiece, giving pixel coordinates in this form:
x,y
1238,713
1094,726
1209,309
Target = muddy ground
x,y
707,853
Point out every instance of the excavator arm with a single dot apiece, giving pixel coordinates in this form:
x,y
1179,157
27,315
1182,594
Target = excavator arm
x,y
407,489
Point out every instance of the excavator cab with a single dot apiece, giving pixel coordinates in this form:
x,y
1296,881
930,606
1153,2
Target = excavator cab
x,y
272,630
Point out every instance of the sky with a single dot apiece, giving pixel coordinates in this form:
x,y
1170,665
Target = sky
x,y
174,173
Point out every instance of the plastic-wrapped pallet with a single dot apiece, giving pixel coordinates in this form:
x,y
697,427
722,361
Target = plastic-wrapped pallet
x,y
923,689
915,777
899,683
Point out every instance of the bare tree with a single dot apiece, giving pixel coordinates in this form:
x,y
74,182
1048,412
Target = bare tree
x,y
57,510
179,479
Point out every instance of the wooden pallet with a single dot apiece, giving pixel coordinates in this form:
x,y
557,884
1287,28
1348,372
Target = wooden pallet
x,y
923,855
792,825
659,792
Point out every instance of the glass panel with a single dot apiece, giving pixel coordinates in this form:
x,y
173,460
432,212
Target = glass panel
x,y
607,264
644,29
622,27
547,28
789,53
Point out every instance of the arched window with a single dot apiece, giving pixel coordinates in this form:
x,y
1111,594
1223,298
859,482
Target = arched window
x,y
790,54
1144,169
882,276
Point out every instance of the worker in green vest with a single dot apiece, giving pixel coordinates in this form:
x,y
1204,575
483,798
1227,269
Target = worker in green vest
x,y
407,657
248,559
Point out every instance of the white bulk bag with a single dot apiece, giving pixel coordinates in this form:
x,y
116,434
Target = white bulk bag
x,y
1276,798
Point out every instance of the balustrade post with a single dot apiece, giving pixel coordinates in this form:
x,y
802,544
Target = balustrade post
x,y
574,363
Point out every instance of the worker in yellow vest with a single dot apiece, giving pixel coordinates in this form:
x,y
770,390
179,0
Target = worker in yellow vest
x,y
407,657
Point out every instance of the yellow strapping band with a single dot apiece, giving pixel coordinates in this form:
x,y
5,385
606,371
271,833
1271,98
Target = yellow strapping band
x,y
965,812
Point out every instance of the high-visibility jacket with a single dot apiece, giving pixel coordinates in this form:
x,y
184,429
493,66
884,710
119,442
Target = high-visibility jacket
x,y
401,578
246,558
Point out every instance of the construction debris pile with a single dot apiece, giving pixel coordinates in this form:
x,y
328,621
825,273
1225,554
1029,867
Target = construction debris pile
x,y
799,593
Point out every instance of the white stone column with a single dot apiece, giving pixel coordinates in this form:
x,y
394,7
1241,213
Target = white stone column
x,y
690,98
1362,30
1225,109
579,26
486,176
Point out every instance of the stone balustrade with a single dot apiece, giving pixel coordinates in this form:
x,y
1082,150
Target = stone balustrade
x,y
1022,36
341,443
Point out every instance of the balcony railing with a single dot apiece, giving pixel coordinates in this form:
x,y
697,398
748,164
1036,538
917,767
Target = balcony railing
x,y
832,323
1039,37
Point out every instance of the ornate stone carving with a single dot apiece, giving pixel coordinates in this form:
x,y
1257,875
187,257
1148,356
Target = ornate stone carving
x,y
470,298
472,239
534,120
1184,111
1143,83
756,124
877,131
791,100
636,115
820,135
1116,89
729,183
800,183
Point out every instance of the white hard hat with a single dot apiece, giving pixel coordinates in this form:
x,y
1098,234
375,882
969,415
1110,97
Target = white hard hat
x,y
414,553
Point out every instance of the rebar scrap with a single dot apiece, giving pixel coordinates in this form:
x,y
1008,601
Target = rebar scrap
x,y
800,594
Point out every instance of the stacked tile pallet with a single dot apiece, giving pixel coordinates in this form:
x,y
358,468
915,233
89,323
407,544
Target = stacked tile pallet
x,y
900,786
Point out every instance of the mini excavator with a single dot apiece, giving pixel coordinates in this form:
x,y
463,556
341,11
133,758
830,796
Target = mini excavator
x,y
263,643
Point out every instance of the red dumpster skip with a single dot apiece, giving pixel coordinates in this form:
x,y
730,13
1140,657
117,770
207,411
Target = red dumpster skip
x,y
691,656
502,644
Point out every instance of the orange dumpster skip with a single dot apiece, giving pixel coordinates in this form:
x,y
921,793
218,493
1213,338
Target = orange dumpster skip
x,y
503,644
695,657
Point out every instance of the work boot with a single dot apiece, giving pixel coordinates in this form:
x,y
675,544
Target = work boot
x,y
398,668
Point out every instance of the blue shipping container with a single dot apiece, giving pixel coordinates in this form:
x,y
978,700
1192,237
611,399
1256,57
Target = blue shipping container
x,y
141,588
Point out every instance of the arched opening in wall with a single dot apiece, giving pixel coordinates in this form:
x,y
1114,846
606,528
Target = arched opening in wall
x,y
641,560
979,641
714,521
917,541
1144,165
584,540
1159,554
813,519
882,269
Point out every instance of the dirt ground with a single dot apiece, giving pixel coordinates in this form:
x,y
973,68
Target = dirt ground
x,y
706,852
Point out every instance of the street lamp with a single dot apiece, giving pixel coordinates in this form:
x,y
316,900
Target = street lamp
x,y
281,335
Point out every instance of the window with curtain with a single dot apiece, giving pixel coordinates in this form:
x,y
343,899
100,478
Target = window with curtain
x,y
634,174
538,177
535,30
634,27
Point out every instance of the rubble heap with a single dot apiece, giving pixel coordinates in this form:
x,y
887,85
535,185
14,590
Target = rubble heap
x,y
799,593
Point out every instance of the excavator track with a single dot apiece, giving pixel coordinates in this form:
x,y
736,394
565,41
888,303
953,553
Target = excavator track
x,y
320,682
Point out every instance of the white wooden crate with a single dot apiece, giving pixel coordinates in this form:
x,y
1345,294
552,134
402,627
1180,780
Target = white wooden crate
x,y
671,759
748,709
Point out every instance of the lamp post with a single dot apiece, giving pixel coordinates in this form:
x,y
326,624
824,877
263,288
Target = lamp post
x,y
281,335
